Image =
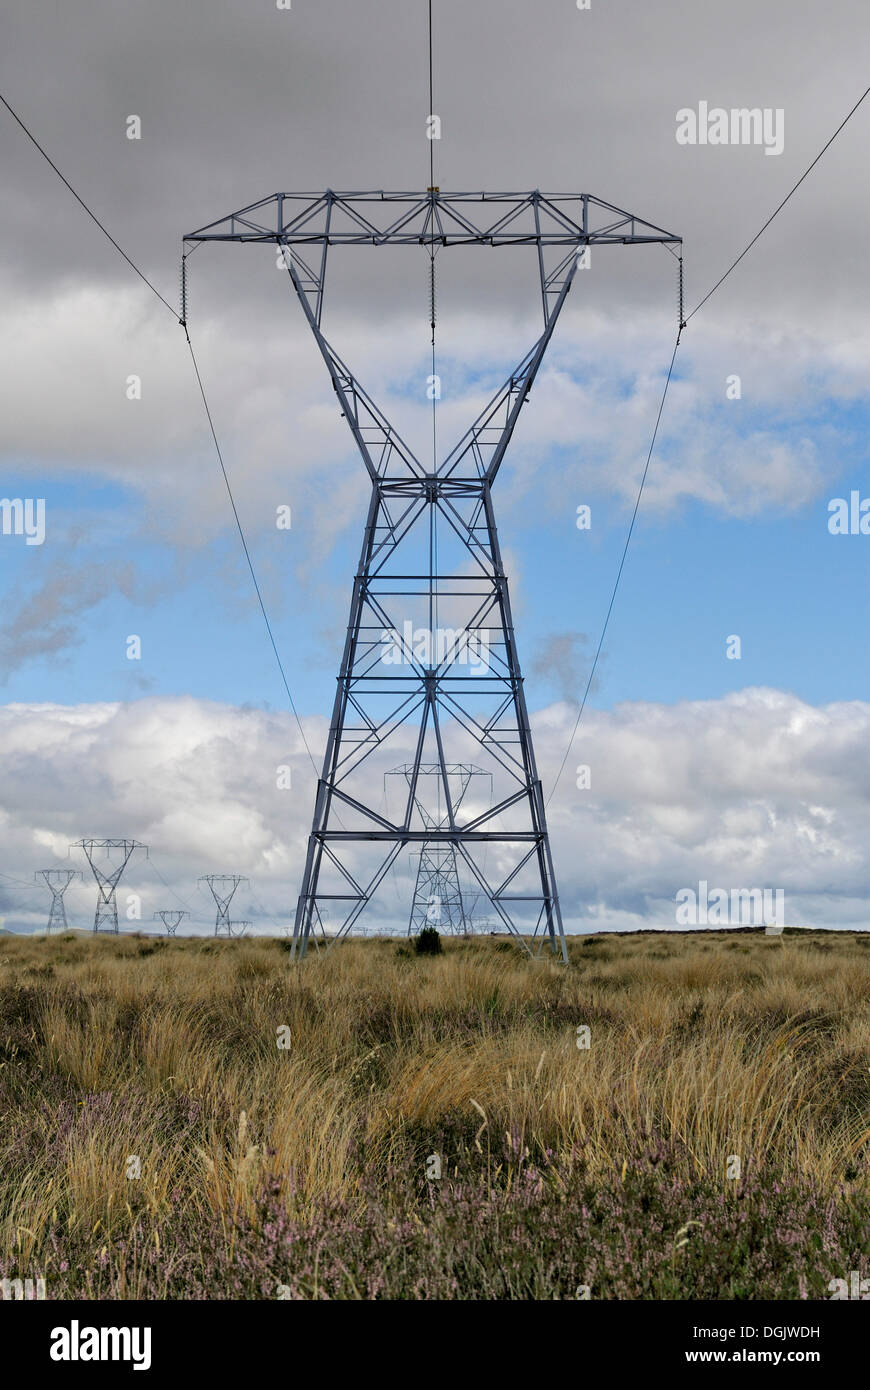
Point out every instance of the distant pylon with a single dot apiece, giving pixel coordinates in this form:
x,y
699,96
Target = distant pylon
x,y
223,887
438,900
106,915
437,894
57,881
170,917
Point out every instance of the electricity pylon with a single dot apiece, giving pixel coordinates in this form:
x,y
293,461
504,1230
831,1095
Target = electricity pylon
x,y
106,915
57,881
170,917
430,637
438,899
223,887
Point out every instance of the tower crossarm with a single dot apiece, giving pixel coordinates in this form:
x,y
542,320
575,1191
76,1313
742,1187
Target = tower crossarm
x,y
455,778
433,218
308,224
170,917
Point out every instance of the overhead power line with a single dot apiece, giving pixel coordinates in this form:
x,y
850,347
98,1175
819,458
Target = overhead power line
x,y
618,572
245,548
92,215
779,209
177,896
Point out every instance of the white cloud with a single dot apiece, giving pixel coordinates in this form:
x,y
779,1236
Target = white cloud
x,y
756,789
587,426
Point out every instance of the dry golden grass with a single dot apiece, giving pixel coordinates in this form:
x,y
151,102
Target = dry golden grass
x,y
723,1044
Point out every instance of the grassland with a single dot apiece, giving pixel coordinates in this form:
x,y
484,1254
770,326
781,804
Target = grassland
x,y
300,1171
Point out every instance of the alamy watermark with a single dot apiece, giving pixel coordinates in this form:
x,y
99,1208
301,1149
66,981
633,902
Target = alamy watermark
x,y
435,646
849,518
23,517
856,1287
734,907
76,1343
17,1290
713,125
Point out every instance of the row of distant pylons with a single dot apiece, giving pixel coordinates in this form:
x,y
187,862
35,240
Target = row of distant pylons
x,y
438,897
108,876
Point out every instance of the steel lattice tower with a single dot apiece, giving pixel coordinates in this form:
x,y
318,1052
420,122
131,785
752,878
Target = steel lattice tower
x,y
170,917
56,881
223,888
437,892
430,637
106,915
438,899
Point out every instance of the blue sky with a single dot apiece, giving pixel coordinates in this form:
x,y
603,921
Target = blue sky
x,y
795,594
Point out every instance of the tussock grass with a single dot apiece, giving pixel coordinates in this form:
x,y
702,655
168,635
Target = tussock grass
x,y
167,1051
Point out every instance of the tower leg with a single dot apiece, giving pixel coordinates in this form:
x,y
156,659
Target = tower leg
x,y
459,683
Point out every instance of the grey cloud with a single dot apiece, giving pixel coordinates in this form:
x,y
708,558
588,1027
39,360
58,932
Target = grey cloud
x,y
237,101
562,661
49,620
44,623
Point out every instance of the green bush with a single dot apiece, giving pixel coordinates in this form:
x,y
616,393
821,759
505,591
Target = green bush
x,y
428,943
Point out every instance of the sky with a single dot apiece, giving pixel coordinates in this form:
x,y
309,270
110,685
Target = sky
x,y
740,772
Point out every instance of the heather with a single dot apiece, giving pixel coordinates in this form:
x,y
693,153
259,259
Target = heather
x,y
203,1119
